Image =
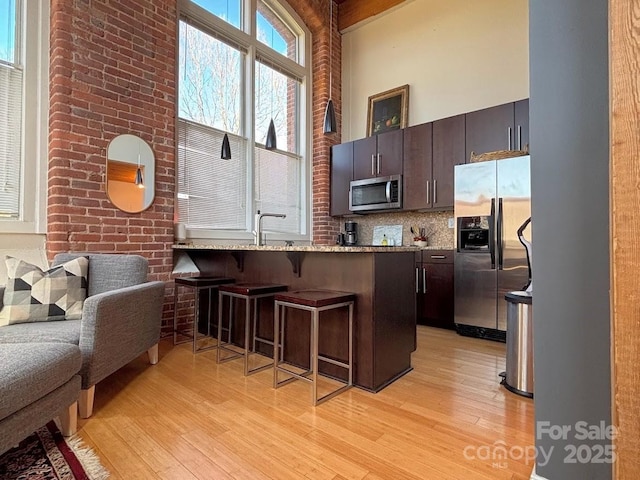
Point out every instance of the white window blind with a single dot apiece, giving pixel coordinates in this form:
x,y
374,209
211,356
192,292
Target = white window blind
x,y
211,191
277,179
10,140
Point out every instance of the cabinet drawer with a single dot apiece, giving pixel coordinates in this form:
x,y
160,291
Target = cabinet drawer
x,y
437,256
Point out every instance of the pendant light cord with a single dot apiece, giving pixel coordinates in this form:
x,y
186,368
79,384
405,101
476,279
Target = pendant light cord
x,y
330,49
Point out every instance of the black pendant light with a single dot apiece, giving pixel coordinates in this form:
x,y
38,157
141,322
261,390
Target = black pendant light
x,y
270,144
139,182
330,124
330,118
225,154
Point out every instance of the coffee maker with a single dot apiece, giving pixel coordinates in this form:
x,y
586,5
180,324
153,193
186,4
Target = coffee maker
x,y
351,233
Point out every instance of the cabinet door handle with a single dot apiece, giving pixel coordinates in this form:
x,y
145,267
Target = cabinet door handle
x,y
417,281
435,192
428,183
378,164
519,137
424,280
373,167
509,138
439,257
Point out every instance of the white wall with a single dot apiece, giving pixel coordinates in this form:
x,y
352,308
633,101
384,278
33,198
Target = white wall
x,y
27,247
456,55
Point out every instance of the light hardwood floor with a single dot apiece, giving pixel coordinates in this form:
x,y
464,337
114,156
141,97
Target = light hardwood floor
x,y
188,418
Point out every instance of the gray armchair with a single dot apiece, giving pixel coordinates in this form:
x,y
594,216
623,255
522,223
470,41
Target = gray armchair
x,y
121,319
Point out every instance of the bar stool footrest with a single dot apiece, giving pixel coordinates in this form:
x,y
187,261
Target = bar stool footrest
x,y
263,340
333,362
235,353
251,371
332,394
294,376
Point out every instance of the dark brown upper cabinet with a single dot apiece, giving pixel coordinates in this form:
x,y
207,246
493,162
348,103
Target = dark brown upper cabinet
x,y
504,127
378,155
341,176
426,154
448,151
489,130
522,125
417,176
431,150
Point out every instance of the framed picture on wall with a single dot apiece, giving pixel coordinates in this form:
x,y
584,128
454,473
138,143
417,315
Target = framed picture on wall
x,y
388,110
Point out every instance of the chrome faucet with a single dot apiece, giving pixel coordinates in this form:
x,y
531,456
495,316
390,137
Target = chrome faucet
x,y
257,232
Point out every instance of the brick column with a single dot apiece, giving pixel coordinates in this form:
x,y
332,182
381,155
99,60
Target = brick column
x,y
315,14
111,72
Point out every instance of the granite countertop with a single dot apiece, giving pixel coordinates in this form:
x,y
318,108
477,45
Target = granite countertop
x,y
298,248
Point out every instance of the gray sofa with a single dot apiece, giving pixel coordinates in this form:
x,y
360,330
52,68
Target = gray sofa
x,y
121,319
38,381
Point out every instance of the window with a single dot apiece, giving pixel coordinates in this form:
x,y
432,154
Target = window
x,y
234,83
11,78
274,32
228,10
277,173
210,80
24,34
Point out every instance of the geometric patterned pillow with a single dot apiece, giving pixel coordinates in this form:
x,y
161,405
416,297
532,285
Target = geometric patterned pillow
x,y
32,295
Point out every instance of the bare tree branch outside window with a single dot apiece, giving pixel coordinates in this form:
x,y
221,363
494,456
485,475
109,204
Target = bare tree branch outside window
x,y
210,74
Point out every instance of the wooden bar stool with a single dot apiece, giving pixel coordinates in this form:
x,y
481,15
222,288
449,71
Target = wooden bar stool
x,y
314,301
197,284
250,293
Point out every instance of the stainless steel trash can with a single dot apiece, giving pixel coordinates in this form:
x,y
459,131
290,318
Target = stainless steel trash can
x,y
518,377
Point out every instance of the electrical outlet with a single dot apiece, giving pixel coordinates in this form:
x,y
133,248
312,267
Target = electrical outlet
x,y
451,222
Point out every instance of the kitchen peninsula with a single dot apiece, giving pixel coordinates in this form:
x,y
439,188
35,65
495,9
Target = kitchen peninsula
x,y
381,277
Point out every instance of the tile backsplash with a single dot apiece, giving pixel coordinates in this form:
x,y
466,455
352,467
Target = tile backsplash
x,y
435,222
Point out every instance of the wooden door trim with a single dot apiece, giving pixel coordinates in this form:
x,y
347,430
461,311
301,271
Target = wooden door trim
x,y
624,48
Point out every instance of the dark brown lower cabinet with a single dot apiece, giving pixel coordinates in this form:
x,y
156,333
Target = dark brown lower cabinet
x,y
434,289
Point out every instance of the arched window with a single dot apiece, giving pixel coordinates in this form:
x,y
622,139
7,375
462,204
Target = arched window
x,y
239,71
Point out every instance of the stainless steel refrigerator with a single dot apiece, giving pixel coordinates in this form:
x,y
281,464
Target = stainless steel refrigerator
x,y
492,200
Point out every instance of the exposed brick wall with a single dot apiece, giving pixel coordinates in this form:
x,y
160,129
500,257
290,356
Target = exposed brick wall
x,y
315,14
111,72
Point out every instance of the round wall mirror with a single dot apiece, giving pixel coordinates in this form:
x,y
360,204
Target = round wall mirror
x,y
130,173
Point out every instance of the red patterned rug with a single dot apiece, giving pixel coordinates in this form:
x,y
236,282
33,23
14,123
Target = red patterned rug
x,y
47,455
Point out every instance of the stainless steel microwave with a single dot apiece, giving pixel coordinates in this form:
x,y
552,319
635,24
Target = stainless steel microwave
x,y
380,193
